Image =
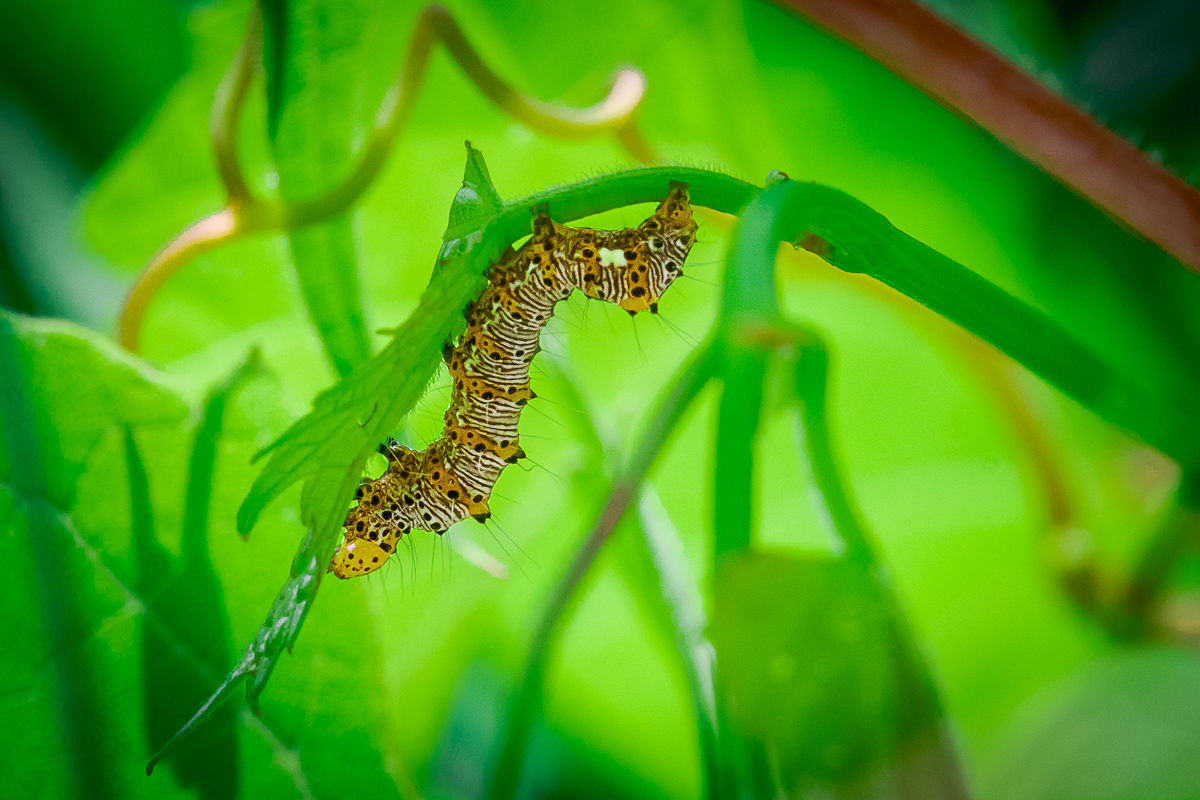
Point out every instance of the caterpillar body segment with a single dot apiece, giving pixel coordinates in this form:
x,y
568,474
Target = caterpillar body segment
x,y
452,478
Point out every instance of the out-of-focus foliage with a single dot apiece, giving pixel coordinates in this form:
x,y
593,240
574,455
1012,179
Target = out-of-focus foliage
x,y
399,684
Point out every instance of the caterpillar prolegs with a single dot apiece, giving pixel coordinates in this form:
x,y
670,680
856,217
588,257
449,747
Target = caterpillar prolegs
x,y
452,478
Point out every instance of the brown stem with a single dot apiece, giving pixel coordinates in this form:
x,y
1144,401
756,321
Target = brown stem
x,y
197,238
962,73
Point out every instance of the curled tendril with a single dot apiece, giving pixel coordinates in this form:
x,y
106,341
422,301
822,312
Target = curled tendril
x,y
245,214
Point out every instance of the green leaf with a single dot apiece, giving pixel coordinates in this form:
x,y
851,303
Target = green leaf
x,y
1126,726
204,456
316,65
809,655
76,621
326,266
49,423
45,456
477,202
189,645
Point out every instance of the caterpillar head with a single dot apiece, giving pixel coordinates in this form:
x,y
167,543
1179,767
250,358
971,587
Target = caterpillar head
x,y
665,240
357,557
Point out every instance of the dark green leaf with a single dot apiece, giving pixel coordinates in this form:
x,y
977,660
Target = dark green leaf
x,y
186,606
811,660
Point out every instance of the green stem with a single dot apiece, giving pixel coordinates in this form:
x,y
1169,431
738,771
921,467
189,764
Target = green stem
x,y
854,238
922,708
1160,557
748,302
684,388
743,372
810,381
679,593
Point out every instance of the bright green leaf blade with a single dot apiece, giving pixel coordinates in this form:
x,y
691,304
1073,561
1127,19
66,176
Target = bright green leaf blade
x,y
187,607
477,202
326,264
60,593
204,456
87,391
73,417
316,74
59,607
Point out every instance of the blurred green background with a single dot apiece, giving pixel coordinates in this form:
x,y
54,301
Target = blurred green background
x,y
398,682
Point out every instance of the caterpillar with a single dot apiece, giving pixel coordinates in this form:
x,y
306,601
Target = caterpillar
x,y
452,478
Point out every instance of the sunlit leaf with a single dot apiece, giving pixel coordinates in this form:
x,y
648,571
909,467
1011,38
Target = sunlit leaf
x,y
58,595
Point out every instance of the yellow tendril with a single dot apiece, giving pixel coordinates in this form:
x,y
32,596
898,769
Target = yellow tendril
x,y
244,214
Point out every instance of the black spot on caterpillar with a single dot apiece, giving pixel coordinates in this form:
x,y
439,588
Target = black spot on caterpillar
x,y
452,478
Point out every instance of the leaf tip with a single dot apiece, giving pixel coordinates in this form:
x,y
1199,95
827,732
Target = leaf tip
x,y
247,516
